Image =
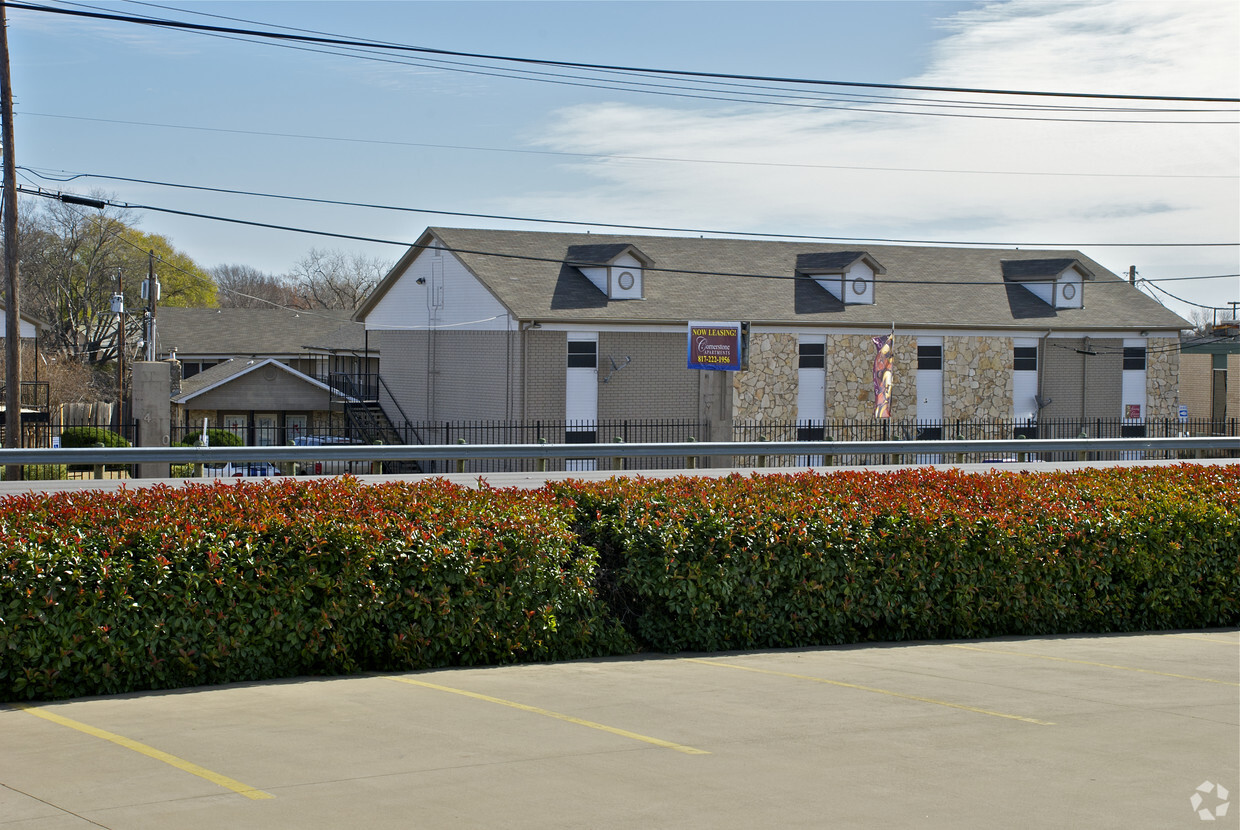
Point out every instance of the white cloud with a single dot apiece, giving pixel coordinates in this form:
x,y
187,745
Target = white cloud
x,y
1171,48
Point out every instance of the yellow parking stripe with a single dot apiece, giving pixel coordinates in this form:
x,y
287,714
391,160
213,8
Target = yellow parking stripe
x,y
624,733
887,692
150,752
1091,663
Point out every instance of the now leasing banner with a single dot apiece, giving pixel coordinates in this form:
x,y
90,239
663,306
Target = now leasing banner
x,y
715,346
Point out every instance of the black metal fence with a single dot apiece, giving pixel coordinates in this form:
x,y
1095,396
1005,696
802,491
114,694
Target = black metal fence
x,y
57,433
619,432
969,430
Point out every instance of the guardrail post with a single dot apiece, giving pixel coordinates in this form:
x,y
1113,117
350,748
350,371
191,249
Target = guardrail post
x,y
617,462
828,459
460,462
542,462
198,442
1082,455
762,458
376,466
691,461
1021,457
98,445
287,468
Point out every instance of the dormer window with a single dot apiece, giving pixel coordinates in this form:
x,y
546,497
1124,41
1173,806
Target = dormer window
x,y
1059,283
848,276
615,269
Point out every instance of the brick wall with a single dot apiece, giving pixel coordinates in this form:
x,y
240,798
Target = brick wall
x,y
1062,378
546,356
1196,384
655,384
1233,386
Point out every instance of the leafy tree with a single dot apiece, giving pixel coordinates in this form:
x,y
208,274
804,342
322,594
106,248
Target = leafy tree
x,y
74,259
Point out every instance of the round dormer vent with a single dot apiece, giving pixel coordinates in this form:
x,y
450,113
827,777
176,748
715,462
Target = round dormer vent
x,y
626,280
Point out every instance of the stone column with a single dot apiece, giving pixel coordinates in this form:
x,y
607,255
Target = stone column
x,y
152,391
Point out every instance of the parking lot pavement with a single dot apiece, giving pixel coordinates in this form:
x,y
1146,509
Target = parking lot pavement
x,y
1083,731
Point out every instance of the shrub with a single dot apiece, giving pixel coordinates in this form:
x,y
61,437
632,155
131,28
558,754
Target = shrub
x,y
44,472
103,593
216,437
73,437
780,561
89,436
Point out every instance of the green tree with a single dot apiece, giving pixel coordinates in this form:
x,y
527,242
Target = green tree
x,y
74,259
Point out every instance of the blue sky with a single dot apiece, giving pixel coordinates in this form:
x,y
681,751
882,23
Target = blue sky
x,y
126,100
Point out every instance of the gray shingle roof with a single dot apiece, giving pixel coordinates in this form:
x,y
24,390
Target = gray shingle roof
x,y
756,280
1032,269
262,332
828,261
594,254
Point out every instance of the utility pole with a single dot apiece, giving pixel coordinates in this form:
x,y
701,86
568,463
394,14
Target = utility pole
x,y
12,308
118,305
150,290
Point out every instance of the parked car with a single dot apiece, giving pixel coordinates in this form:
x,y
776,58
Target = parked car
x,y
328,468
255,468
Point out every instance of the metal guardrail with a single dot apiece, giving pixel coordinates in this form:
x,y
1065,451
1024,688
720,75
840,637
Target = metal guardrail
x,y
458,452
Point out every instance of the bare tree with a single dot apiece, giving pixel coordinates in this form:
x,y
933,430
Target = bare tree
x,y
74,259
241,286
336,279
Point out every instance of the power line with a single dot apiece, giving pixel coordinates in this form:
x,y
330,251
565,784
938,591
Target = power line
x,y
528,258
343,42
621,157
575,222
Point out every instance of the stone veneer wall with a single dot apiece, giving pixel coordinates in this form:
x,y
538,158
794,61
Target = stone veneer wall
x,y
1162,377
767,390
977,378
850,377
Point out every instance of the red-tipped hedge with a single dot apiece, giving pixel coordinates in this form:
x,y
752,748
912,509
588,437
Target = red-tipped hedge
x,y
111,592
794,560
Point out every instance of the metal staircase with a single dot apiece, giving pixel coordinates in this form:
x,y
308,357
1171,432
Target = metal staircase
x,y
367,422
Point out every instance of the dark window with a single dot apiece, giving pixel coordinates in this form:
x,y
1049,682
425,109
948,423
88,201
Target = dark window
x,y
813,356
1026,358
1132,431
1134,357
929,357
582,354
1025,432
581,436
929,433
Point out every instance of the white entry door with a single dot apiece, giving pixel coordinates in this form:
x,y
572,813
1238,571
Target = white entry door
x,y
811,393
581,395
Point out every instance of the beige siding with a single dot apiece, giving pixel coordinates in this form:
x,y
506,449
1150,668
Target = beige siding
x,y
1233,386
1196,384
268,389
654,384
546,355
1067,374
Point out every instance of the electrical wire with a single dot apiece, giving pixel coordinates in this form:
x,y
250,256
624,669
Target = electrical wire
x,y
536,220
618,157
342,42
559,261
